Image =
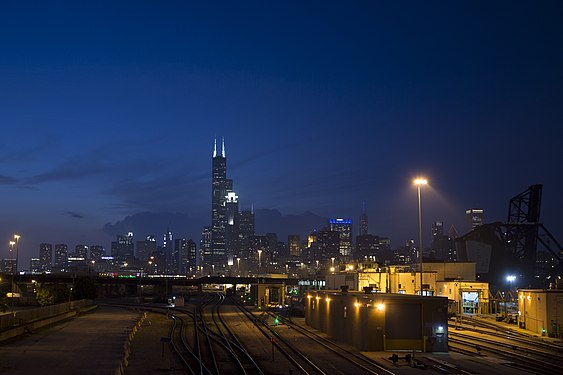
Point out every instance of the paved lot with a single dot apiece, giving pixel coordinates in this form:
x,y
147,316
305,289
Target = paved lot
x,y
88,344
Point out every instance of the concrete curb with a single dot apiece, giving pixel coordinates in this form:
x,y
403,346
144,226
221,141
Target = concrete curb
x,y
120,370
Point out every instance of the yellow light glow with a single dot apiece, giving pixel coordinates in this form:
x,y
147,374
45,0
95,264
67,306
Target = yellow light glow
x,y
529,298
357,304
351,267
332,269
380,307
317,298
17,236
420,181
12,243
327,299
308,296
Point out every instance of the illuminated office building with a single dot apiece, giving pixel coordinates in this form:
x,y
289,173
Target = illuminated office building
x,y
294,244
344,228
45,257
61,258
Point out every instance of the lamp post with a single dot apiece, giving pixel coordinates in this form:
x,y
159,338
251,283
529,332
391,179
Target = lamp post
x,y
12,243
17,238
238,265
419,182
12,284
259,261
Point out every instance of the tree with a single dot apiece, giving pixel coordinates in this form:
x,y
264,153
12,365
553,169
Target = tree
x,y
85,288
3,301
45,296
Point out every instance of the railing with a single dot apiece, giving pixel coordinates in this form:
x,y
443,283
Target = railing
x,y
17,318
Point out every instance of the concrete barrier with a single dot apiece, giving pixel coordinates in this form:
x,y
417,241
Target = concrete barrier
x,y
120,370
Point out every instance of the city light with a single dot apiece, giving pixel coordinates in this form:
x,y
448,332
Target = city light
x,y
380,306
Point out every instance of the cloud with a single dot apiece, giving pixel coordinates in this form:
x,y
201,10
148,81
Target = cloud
x,y
74,214
6,180
70,170
156,224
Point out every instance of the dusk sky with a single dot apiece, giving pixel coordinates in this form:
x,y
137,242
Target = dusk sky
x,y
109,109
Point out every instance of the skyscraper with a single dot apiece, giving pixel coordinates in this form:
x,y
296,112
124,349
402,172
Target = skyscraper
x,y
474,217
437,229
168,248
294,244
81,251
344,228
220,186
364,222
97,252
45,257
184,256
146,248
122,249
231,229
61,257
245,229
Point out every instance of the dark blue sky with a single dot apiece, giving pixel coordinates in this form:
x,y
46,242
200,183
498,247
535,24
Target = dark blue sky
x,y
110,108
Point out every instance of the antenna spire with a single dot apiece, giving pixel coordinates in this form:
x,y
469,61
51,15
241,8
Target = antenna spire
x,y
223,147
215,147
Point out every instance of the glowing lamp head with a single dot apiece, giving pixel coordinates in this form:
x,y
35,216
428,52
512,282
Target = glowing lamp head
x,y
380,307
420,181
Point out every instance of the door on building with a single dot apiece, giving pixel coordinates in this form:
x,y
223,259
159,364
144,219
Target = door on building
x,y
470,302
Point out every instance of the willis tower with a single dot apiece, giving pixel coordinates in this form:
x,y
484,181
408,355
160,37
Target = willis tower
x,y
220,186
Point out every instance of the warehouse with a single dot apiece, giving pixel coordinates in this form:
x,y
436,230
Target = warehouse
x,y
380,321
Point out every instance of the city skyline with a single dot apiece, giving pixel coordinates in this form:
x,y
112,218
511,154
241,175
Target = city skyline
x,y
321,110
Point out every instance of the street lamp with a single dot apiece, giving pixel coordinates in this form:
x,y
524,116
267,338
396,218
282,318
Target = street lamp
x,y
419,181
238,265
12,243
17,237
259,263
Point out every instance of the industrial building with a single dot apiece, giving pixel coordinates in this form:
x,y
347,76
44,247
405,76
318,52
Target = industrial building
x,y
380,321
541,311
454,280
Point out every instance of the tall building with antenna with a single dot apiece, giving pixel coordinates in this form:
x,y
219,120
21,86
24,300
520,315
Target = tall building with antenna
x,y
220,187
364,229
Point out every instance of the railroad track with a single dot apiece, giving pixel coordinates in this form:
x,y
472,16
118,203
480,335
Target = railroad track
x,y
311,353
522,357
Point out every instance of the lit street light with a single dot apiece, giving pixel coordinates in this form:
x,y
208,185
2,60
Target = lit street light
x,y
17,238
511,279
259,259
12,243
419,182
